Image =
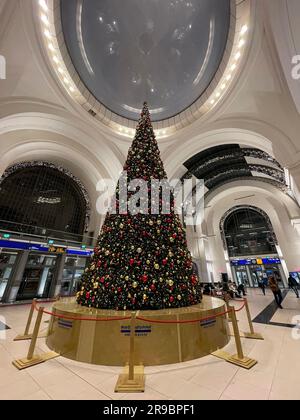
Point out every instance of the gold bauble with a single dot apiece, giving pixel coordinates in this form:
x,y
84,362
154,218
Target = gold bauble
x,y
121,225
92,267
171,239
148,262
170,282
134,285
159,222
179,297
156,266
139,250
145,297
158,231
126,278
107,252
151,223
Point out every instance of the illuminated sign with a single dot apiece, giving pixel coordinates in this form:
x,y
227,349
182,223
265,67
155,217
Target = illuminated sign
x,y
256,261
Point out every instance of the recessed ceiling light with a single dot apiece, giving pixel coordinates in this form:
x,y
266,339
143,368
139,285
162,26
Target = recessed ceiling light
x,y
43,5
51,47
241,43
72,89
223,86
228,77
47,33
233,67
244,29
61,70
55,59
218,94
212,101
45,19
237,56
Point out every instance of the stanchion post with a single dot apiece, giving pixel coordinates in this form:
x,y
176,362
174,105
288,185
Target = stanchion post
x,y
32,359
35,333
237,359
249,317
252,334
26,332
27,335
131,346
133,378
237,337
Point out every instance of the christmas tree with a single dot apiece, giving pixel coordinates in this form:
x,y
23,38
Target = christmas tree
x,y
141,260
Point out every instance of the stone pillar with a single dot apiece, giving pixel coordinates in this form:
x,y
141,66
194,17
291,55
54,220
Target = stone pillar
x,y
58,275
17,276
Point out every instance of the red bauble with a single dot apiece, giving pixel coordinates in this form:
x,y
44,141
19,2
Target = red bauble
x,y
99,264
171,299
164,261
144,278
87,295
152,287
131,261
174,235
106,284
102,279
119,289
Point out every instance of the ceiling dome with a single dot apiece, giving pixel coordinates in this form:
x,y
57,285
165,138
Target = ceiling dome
x,y
165,52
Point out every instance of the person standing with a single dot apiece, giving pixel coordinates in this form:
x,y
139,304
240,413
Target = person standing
x,y
293,284
262,285
273,284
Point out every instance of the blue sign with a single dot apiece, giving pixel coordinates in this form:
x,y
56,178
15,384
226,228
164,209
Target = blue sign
x,y
253,261
64,323
208,323
40,248
140,331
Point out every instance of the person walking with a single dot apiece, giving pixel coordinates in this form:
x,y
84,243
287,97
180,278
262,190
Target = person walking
x,y
293,284
262,286
273,284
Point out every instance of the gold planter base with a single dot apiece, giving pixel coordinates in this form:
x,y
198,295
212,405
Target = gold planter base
x,y
107,342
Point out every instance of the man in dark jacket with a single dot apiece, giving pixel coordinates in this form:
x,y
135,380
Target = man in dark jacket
x,y
273,284
293,284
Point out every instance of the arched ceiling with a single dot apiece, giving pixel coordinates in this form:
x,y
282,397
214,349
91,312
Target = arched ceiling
x,y
222,164
166,52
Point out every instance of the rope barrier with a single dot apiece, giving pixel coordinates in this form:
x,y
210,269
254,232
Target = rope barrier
x,y
154,321
73,318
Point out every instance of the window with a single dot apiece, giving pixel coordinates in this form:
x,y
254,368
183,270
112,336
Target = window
x,y
248,232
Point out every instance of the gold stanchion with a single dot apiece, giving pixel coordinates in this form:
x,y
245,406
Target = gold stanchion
x,y
228,307
27,335
132,379
32,359
252,334
237,359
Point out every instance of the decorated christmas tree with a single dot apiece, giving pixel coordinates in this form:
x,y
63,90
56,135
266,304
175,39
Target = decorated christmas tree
x,y
141,260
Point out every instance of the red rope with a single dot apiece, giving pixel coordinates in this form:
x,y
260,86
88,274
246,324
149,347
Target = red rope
x,y
186,321
154,321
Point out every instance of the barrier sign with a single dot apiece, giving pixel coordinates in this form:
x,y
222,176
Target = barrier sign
x,y
140,331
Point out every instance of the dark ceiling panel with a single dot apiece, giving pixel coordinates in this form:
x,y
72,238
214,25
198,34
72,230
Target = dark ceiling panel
x,y
163,51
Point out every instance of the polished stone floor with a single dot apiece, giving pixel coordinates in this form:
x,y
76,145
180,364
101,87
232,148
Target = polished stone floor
x,y
276,376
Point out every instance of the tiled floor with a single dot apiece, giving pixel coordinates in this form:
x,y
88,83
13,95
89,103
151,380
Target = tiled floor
x,y
276,376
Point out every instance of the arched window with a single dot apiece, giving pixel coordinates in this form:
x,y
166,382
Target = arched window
x,y
40,198
248,231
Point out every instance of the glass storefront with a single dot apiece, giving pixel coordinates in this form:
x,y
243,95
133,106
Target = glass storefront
x,y
37,276
7,261
251,274
74,268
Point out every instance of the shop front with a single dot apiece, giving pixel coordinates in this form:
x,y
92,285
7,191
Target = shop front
x,y
252,271
29,270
